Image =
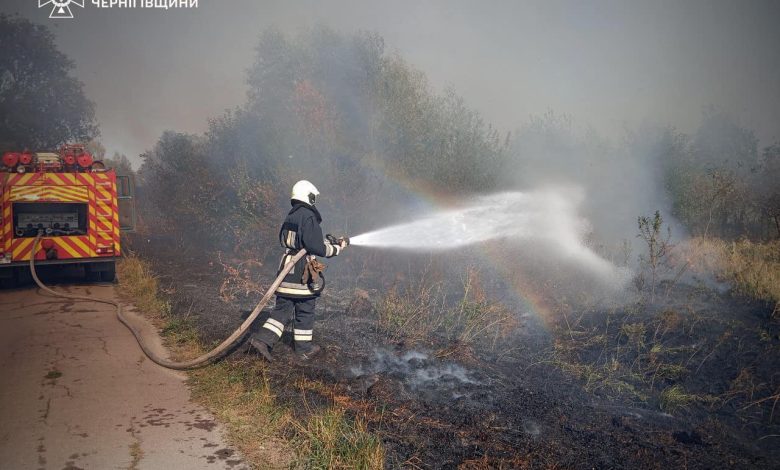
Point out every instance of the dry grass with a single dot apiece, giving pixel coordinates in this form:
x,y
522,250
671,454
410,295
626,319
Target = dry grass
x,y
240,279
420,309
238,393
476,316
675,398
413,311
137,282
136,454
752,268
638,354
329,439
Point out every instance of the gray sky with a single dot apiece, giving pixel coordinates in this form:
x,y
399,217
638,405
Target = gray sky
x,y
607,63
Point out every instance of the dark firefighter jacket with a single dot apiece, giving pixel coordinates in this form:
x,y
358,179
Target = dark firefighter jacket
x,y
301,229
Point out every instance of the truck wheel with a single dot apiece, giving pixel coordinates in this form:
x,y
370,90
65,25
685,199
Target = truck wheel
x,y
109,274
23,276
91,273
8,282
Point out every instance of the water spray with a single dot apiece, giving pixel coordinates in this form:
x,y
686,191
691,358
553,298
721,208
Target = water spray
x,y
548,217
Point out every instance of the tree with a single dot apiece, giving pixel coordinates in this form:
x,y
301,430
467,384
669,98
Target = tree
x,y
770,175
120,163
41,104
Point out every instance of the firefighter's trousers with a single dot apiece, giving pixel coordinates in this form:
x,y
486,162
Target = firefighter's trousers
x,y
302,311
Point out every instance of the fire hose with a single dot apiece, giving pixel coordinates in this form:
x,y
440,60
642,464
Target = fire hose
x,y
199,361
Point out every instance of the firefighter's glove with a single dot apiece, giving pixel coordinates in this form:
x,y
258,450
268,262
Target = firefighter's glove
x,y
312,272
334,245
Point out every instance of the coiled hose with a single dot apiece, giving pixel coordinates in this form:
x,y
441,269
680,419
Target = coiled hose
x,y
200,361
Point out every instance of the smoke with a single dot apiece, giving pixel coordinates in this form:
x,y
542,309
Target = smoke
x,y
620,180
416,369
621,63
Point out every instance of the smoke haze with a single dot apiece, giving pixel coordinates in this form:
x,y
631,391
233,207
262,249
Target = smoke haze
x,y
609,64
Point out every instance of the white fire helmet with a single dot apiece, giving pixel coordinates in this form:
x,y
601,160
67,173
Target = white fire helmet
x,y
306,192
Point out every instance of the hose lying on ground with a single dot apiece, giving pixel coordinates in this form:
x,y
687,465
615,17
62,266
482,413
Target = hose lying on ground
x,y
202,360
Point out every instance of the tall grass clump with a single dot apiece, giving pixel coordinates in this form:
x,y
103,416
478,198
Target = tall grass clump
x,y
420,309
138,282
753,268
329,439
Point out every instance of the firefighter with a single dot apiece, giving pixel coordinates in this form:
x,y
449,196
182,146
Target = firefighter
x,y
297,294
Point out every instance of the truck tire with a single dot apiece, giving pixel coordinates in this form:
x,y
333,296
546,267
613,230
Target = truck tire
x,y
8,281
109,274
92,274
23,276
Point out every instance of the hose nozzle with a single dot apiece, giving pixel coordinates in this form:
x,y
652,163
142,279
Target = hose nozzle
x,y
337,241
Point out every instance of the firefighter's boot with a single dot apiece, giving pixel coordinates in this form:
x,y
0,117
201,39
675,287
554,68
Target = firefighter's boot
x,y
305,353
262,348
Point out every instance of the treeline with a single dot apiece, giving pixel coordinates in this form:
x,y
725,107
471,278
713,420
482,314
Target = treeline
x,y
367,126
42,105
721,183
359,122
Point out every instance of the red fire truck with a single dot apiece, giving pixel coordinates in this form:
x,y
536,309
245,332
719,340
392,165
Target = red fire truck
x,y
79,205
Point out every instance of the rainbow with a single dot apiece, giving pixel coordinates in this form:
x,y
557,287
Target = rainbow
x,y
530,298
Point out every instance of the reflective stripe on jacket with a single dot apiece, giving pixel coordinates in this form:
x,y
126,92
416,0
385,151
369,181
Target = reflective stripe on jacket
x,y
301,229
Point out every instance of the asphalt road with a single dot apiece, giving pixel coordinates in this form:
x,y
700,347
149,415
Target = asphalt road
x,y
76,392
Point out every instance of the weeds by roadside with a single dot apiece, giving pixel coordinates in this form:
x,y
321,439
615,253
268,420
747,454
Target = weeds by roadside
x,y
239,394
138,282
329,439
240,279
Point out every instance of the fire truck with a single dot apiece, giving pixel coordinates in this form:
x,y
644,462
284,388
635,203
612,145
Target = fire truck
x,y
77,204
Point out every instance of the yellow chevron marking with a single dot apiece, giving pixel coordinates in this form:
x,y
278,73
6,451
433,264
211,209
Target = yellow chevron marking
x,y
103,195
57,193
61,193
25,178
80,244
68,178
22,247
67,248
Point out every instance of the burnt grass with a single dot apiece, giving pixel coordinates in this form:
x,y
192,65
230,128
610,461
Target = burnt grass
x,y
436,405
